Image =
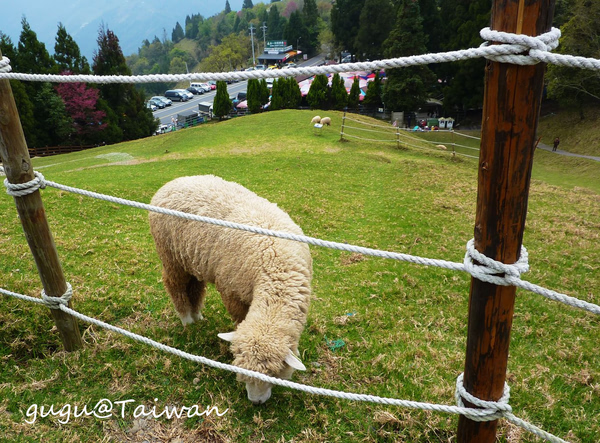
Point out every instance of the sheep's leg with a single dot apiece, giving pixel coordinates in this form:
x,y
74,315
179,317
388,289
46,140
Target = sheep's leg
x,y
235,307
186,291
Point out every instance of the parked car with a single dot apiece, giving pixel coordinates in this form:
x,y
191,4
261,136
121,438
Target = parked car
x,y
212,84
251,68
165,100
239,97
151,106
270,82
186,92
158,103
204,86
261,67
290,65
196,91
177,96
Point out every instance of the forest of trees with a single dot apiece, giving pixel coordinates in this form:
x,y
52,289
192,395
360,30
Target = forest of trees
x,y
69,114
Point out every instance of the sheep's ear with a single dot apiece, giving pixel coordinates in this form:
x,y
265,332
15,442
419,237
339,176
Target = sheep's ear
x,y
294,362
227,336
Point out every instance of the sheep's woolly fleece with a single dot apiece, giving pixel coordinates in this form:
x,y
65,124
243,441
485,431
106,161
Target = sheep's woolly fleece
x,y
265,282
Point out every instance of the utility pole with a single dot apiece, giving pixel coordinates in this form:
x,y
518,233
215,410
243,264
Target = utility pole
x,y
264,30
252,38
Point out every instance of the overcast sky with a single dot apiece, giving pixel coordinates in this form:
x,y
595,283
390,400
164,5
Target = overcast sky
x,y
132,20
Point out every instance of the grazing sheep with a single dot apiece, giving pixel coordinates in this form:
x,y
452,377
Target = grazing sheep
x,y
326,121
441,147
316,119
264,282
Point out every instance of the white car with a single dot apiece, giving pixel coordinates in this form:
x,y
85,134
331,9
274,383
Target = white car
x,y
165,100
186,92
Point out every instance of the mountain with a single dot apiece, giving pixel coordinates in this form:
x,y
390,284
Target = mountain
x,y
132,21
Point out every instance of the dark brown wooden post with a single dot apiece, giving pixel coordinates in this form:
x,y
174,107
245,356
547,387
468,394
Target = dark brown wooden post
x,y
18,169
512,101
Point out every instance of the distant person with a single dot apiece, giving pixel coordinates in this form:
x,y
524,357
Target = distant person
x,y
556,143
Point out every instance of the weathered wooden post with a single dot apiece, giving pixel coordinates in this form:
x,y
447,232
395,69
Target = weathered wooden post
x,y
512,101
343,125
18,169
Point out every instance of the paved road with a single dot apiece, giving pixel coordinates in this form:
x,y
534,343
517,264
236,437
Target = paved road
x,y
566,153
169,112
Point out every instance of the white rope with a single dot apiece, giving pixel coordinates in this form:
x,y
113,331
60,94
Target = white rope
x,y
343,134
537,49
56,302
490,410
5,65
487,272
22,189
371,130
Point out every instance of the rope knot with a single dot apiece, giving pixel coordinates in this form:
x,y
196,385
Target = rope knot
x,y
520,49
22,189
55,302
488,270
5,64
491,410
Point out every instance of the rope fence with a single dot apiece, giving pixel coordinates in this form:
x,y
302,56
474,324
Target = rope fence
x,y
509,48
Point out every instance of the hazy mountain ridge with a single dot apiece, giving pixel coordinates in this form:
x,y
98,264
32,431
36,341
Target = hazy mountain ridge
x,y
132,21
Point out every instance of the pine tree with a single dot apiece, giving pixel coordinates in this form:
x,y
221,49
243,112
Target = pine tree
x,y
318,94
265,94
247,4
33,57
376,22
53,123
575,87
374,91
295,29
127,103
345,19
277,92
275,24
67,55
310,15
406,89
339,96
354,96
177,35
294,96
227,7
222,104
254,96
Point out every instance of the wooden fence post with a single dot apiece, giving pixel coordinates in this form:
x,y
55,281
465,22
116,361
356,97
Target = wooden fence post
x,y
343,125
512,101
18,169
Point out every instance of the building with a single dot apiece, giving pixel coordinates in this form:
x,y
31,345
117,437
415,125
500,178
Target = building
x,y
278,52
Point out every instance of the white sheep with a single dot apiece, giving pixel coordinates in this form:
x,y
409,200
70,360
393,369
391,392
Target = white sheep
x,y
326,121
316,119
442,147
264,282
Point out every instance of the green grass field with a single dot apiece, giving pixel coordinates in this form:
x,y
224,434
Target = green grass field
x,y
403,326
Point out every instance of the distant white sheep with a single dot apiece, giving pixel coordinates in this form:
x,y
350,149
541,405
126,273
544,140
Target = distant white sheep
x,y
316,119
441,147
264,282
326,121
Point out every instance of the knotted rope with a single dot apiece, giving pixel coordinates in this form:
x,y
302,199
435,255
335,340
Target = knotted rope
x,y
5,65
22,189
55,302
489,270
535,47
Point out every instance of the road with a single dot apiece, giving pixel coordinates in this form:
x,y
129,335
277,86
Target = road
x,y
169,112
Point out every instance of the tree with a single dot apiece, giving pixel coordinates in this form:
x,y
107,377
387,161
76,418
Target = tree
x,y
53,123
81,103
233,51
463,19
310,15
339,96
354,96
126,102
67,55
33,57
227,7
275,24
277,95
432,24
345,18
374,91
375,24
406,89
254,96
295,29
265,94
178,34
581,37
318,94
247,4
222,104
293,95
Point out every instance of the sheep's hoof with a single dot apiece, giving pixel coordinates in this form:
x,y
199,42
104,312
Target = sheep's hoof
x,y
190,318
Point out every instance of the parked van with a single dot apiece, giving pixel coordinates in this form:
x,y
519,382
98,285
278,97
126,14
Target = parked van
x,y
176,96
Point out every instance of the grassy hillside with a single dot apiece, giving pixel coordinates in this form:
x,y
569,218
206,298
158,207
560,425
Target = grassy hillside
x,y
581,136
375,326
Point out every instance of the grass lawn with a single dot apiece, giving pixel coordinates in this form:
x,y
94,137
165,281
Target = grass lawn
x,y
403,326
